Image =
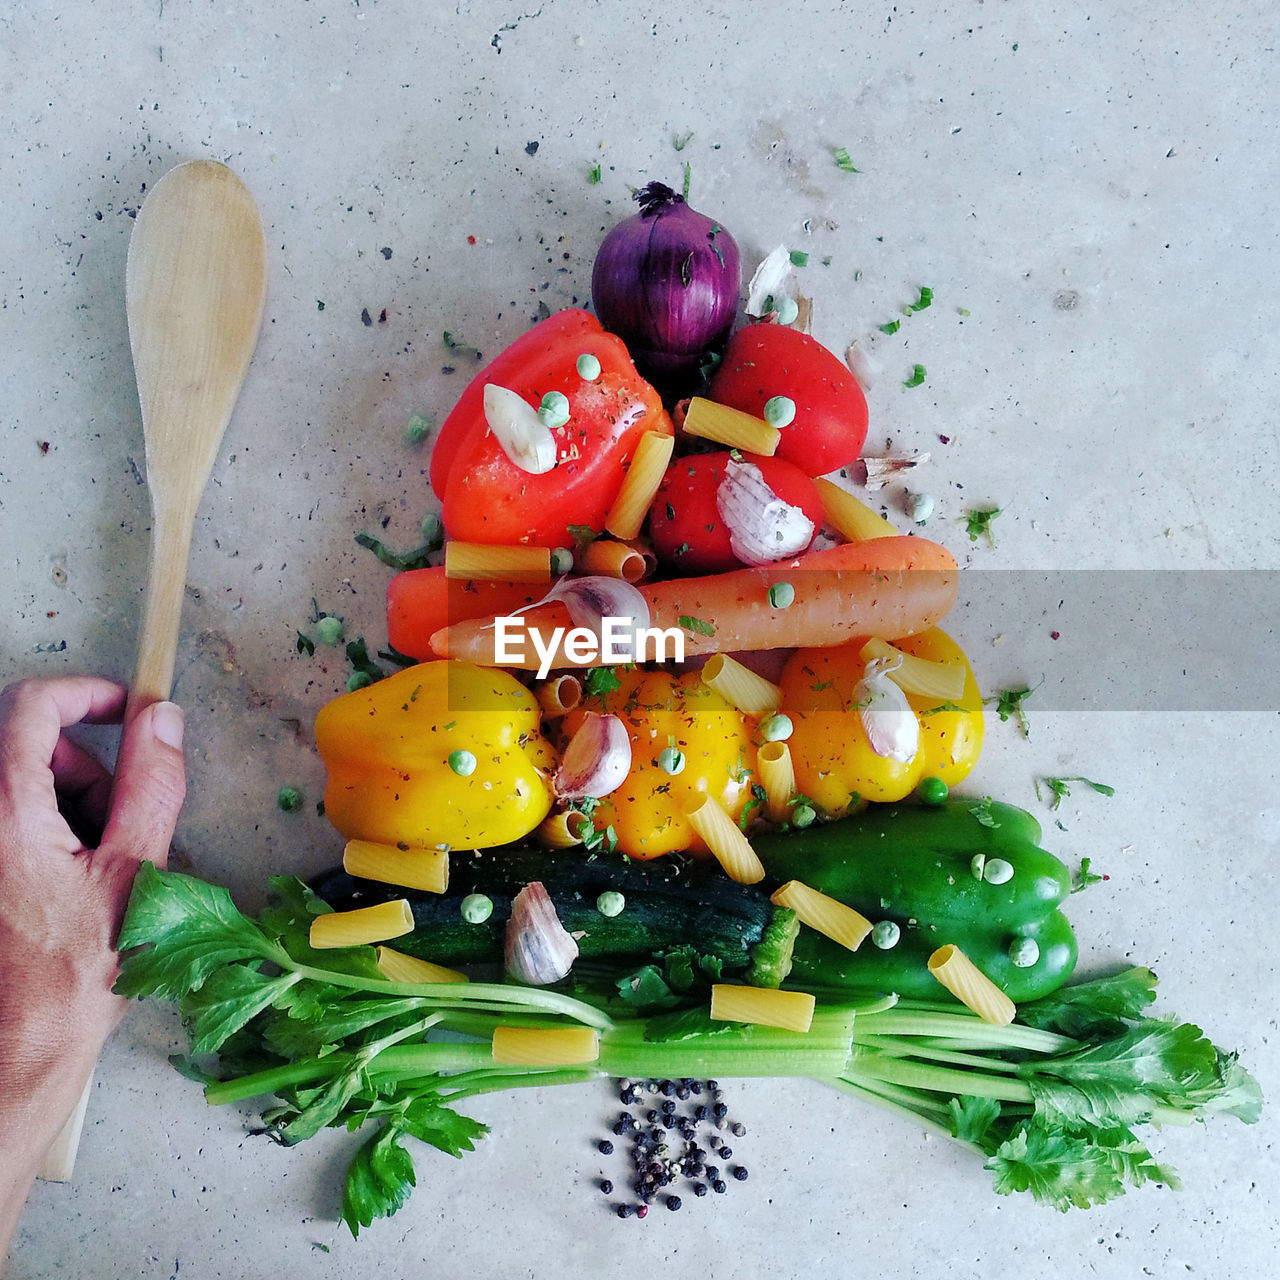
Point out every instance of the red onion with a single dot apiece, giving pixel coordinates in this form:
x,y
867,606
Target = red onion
x,y
666,281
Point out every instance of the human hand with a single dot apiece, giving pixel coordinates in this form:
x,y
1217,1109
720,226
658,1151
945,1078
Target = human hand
x,y
71,839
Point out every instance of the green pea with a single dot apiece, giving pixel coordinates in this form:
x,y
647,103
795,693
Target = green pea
x,y
554,409
610,903
777,728
358,680
786,310
432,527
671,760
803,815
779,411
782,595
997,871
476,908
462,762
419,428
932,790
1024,952
561,560
977,865
289,799
588,367
329,629
886,934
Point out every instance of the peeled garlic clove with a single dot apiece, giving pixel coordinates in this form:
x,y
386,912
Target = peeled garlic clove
x,y
891,726
525,438
769,283
762,528
538,949
597,759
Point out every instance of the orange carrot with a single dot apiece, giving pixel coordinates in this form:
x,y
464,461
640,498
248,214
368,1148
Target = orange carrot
x,y
887,587
422,601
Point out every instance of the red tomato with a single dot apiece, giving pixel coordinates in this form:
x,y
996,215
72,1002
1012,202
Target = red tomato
x,y
684,524
767,360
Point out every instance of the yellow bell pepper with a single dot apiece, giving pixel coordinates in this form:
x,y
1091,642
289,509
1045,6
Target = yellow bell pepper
x,y
444,753
675,722
835,765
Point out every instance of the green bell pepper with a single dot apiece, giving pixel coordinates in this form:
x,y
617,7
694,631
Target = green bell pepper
x,y
935,871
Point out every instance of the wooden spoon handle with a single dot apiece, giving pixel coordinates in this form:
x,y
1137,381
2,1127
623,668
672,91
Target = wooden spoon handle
x,y
162,610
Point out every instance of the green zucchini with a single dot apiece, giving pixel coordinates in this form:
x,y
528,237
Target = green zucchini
x,y
670,903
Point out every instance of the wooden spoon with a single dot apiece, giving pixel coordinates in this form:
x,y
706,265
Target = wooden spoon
x,y
195,284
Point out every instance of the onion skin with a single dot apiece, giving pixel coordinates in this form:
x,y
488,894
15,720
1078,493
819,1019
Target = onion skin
x,y
666,280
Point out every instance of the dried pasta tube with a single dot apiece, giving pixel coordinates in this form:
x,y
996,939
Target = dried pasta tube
x,y
778,778
726,842
944,680
395,966
503,564
545,1046
730,427
363,925
824,914
559,695
849,516
752,694
790,1010
424,869
644,475
612,559
562,830
971,986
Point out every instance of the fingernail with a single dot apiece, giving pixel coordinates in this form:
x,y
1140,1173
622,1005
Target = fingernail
x,y
167,723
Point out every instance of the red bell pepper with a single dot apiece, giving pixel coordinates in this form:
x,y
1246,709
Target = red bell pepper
x,y
486,497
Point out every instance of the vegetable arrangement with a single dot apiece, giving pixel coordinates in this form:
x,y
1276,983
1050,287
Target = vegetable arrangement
x,y
745,862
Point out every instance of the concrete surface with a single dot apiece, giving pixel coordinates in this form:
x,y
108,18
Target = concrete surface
x,y
1089,192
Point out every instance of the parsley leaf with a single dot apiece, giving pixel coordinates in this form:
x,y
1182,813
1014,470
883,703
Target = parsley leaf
x,y
844,162
696,625
917,376
1009,705
1060,790
978,522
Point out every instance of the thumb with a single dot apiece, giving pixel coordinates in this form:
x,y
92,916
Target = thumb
x,y
150,785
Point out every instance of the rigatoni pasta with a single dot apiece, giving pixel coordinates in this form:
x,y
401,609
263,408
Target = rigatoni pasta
x,y
362,925
730,427
971,986
424,869
849,516
729,846
778,778
545,1046
559,695
823,913
790,1010
752,694
395,966
496,563
611,558
929,679
644,475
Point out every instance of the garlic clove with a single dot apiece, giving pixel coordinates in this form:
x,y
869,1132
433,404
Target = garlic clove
x,y
891,726
597,759
762,527
880,471
537,949
525,438
769,283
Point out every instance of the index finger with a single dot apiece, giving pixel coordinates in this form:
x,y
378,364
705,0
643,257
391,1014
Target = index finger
x,y
33,714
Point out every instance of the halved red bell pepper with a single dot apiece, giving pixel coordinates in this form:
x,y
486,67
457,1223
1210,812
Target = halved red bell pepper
x,y
487,498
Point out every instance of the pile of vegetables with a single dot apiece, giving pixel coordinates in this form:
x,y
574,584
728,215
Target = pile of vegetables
x,y
751,862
